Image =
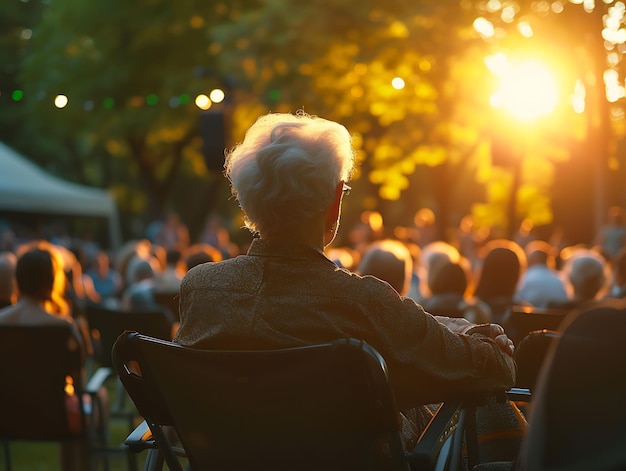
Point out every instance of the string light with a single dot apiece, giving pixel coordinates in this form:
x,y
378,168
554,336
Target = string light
x,y
217,95
60,101
203,102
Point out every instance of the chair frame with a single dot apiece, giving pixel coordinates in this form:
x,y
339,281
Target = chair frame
x,y
48,379
105,325
439,446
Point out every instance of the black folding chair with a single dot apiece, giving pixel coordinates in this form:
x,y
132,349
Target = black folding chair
x,y
43,391
169,300
531,354
105,326
525,319
325,407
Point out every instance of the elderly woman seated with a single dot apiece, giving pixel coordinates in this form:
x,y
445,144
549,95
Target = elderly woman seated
x,y
290,177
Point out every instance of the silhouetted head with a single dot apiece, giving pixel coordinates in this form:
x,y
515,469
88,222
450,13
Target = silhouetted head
x,y
448,277
502,266
35,274
391,261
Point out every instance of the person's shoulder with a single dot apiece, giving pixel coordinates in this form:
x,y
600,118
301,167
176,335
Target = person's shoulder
x,y
224,268
368,287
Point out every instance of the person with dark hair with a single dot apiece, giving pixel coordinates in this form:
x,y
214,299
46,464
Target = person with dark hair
x,y
36,272
503,262
201,253
290,177
448,283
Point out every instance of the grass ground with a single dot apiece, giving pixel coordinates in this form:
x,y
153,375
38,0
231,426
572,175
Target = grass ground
x,y
44,456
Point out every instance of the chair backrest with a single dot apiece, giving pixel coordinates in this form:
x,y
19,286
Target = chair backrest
x,y
578,417
531,354
41,394
106,325
169,300
522,320
319,407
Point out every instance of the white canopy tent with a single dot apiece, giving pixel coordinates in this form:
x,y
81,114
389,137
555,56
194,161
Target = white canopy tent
x,y
26,188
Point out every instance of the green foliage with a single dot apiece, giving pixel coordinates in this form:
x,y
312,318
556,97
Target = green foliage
x,y
132,69
337,59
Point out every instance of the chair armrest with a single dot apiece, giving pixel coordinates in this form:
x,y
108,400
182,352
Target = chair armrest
x,y
430,445
140,439
96,381
519,394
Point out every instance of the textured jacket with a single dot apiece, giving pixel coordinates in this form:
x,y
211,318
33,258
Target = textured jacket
x,y
281,295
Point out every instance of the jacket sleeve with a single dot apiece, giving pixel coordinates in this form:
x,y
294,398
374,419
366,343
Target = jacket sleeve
x,y
429,363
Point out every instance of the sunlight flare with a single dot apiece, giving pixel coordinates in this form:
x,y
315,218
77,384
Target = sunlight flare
x,y
527,90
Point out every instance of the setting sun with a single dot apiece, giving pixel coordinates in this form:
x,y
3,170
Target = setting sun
x,y
527,90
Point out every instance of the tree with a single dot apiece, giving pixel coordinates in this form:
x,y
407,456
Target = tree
x,y
407,79
586,38
334,58
130,72
382,70
17,20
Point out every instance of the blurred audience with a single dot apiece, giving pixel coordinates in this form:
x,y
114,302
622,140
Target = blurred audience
x,y
139,294
344,257
618,273
106,280
503,262
431,255
198,254
168,280
8,287
173,233
388,260
541,284
611,236
586,272
448,284
215,234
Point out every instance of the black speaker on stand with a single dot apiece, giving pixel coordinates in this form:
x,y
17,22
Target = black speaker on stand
x,y
213,133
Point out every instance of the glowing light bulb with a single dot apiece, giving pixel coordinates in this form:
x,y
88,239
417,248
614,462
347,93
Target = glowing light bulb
x,y
217,95
203,102
60,101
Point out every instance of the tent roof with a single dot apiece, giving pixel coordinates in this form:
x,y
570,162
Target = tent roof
x,y
24,187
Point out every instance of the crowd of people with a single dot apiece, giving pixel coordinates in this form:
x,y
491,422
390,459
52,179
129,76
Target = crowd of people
x,y
434,309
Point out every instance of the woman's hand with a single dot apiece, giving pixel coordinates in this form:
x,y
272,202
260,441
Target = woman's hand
x,y
460,325
496,332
